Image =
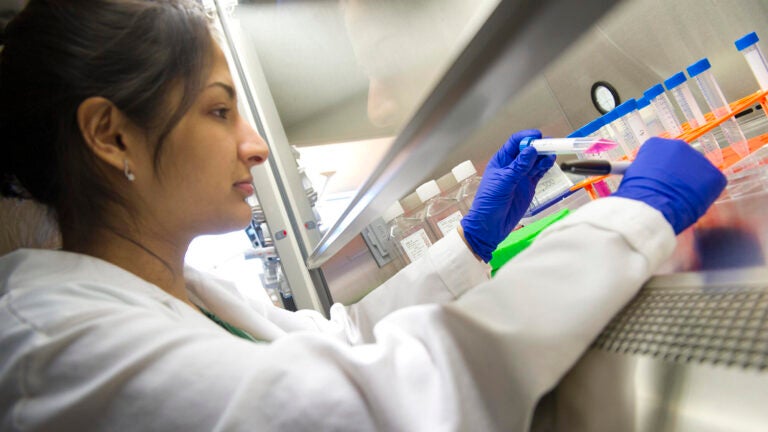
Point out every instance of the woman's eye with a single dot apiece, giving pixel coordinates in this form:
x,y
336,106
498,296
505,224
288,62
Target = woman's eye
x,y
221,112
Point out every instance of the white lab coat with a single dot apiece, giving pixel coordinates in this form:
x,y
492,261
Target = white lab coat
x,y
88,346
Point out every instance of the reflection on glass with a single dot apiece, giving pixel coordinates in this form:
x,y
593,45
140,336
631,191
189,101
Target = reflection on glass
x,y
344,70
402,47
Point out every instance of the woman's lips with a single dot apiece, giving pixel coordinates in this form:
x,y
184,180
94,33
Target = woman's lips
x,y
245,187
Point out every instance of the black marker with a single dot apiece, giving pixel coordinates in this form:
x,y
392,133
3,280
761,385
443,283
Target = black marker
x,y
594,167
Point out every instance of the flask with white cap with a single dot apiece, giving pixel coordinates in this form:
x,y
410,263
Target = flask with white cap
x,y
466,175
442,214
410,235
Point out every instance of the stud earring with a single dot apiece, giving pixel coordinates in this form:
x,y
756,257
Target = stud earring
x,y
127,171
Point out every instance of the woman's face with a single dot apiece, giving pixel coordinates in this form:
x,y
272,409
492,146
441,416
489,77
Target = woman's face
x,y
204,171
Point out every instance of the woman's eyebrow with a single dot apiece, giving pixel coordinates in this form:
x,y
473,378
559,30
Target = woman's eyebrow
x,y
228,88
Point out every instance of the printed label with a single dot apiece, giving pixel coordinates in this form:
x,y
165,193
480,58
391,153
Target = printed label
x,y
416,245
449,223
553,184
544,145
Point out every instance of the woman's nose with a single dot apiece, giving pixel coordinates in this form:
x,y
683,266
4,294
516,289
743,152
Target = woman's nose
x,y
252,147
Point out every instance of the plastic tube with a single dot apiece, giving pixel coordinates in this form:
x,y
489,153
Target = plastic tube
x,y
630,125
650,117
596,129
755,58
678,86
635,121
568,145
664,110
615,130
702,73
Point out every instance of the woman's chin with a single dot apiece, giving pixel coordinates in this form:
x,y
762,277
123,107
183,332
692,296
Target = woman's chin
x,y
235,220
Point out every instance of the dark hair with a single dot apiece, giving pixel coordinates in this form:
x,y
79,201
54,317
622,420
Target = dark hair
x,y
60,52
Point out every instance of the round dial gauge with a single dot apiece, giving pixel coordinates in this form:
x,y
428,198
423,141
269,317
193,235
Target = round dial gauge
x,y
604,97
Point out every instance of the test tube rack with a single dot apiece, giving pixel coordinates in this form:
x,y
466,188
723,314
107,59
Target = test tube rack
x,y
691,134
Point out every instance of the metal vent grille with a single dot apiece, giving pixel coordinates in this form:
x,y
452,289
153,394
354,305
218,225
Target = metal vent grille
x,y
723,327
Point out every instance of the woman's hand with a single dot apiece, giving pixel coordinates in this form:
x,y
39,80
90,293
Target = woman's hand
x,y
505,193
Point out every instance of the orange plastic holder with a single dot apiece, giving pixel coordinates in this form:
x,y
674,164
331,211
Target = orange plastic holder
x,y
689,135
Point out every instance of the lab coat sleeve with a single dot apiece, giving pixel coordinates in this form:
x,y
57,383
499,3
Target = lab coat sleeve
x,y
522,331
444,274
478,363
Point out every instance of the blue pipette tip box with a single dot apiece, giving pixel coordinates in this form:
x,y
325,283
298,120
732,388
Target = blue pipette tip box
x,y
746,41
674,81
698,67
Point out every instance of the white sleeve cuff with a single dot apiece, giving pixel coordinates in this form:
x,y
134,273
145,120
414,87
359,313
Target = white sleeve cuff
x,y
456,265
644,227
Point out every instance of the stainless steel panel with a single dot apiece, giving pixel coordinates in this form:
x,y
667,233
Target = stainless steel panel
x,y
609,392
352,272
689,353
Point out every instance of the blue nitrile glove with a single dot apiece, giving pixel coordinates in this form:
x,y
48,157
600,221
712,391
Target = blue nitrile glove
x,y
504,194
672,177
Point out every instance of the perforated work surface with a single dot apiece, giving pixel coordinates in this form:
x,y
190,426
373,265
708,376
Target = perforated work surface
x,y
723,327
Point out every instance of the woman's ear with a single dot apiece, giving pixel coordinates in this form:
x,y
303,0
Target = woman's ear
x,y
101,125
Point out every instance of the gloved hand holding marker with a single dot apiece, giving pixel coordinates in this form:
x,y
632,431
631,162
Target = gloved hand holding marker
x,y
669,175
675,179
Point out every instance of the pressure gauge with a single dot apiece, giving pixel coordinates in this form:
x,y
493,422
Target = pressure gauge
x,y
604,96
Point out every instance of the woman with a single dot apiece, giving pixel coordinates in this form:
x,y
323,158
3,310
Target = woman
x,y
121,116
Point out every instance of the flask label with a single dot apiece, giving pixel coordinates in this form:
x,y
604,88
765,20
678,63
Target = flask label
x,y
449,223
416,245
553,184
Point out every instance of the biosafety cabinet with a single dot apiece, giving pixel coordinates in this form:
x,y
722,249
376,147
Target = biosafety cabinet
x,y
403,90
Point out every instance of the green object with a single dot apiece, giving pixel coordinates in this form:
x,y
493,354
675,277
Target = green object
x,y
228,327
520,239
